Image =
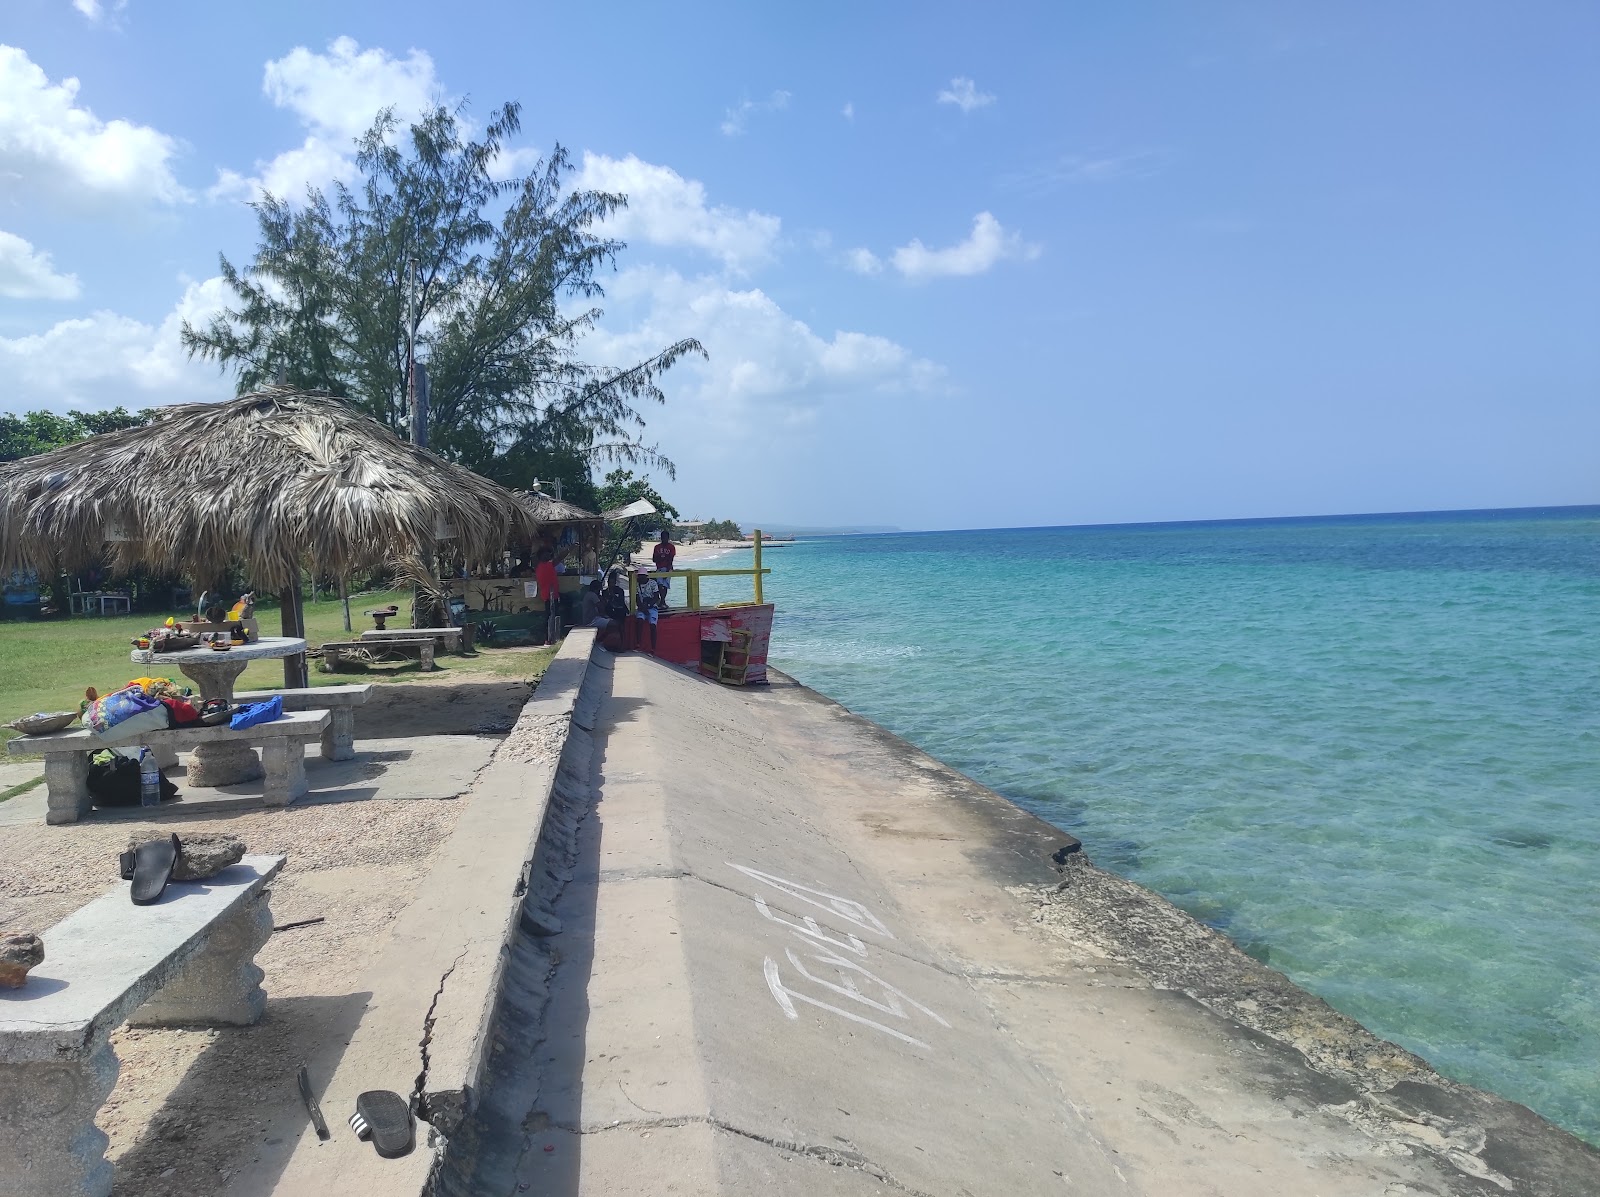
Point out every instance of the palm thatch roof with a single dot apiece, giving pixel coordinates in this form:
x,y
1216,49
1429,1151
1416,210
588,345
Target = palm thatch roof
x,y
273,479
543,509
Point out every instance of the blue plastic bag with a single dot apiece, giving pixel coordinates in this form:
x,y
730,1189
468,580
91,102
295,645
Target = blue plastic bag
x,y
257,712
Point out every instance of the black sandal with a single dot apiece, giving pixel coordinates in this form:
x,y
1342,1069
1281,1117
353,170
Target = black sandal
x,y
385,1118
149,867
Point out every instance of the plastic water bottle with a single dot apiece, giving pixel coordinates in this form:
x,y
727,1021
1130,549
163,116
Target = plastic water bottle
x,y
149,779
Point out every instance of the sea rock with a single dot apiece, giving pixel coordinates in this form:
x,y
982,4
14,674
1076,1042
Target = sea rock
x,y
203,855
19,952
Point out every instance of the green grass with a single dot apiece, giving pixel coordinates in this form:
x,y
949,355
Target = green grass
x,y
46,665
21,788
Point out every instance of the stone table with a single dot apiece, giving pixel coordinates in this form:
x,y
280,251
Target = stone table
x,y
224,763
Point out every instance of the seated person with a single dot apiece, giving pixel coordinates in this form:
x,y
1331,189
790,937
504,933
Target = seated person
x,y
614,610
591,617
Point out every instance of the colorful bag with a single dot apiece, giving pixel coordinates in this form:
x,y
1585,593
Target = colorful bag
x,y
125,713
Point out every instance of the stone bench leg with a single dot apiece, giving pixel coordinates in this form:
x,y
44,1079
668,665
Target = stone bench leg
x,y
339,737
48,1139
425,655
284,760
166,757
66,787
222,985
330,660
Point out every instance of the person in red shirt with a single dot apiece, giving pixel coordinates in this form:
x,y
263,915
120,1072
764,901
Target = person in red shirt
x,y
544,577
662,555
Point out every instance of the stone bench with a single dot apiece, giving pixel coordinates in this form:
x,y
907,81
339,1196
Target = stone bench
x,y
66,757
335,652
448,639
186,960
339,737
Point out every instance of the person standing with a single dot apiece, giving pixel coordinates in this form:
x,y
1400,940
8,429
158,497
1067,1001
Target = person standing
x,y
548,585
663,554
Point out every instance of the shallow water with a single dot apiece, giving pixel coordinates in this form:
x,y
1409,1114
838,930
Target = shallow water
x,y
1367,748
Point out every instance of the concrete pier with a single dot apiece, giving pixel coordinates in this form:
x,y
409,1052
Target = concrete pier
x,y
794,955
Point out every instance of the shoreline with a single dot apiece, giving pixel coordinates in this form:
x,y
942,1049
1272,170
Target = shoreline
x,y
802,947
1384,1089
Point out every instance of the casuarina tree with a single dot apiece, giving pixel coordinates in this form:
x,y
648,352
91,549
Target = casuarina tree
x,y
495,277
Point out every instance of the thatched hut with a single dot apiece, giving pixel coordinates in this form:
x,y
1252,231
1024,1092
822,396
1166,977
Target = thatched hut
x,y
275,480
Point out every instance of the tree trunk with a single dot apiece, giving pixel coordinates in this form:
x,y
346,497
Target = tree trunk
x,y
344,597
294,624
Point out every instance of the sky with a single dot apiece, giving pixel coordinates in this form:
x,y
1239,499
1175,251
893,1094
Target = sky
x,y
955,265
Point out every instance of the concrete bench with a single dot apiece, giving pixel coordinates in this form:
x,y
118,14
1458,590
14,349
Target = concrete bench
x,y
335,652
446,638
66,757
339,737
186,960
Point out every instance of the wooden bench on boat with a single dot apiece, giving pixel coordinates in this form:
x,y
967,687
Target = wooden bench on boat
x,y
66,757
187,959
336,651
339,737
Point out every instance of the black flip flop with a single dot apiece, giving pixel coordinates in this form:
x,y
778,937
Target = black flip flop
x,y
386,1119
152,869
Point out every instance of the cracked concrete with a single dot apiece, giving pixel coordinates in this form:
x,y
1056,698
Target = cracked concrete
x,y
798,956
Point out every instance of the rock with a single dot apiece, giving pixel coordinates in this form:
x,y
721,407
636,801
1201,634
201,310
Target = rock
x,y
203,855
18,953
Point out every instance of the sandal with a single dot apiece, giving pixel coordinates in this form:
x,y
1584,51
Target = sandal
x,y
385,1118
149,867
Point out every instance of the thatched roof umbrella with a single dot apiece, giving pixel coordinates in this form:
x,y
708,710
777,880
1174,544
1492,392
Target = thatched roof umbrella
x,y
272,479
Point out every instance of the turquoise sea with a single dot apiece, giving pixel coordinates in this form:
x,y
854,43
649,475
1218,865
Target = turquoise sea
x,y
1367,747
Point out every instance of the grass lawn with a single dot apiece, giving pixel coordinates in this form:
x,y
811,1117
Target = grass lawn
x,y
45,666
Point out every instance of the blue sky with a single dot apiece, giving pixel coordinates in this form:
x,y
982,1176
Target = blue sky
x,y
956,266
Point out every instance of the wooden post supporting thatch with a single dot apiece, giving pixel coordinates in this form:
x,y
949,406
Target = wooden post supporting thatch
x,y
295,676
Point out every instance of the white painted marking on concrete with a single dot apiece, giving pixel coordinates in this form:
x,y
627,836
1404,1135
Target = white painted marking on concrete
x,y
846,908
892,997
808,926
783,994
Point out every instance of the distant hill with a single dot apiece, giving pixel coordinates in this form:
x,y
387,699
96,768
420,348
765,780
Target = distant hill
x,y
814,530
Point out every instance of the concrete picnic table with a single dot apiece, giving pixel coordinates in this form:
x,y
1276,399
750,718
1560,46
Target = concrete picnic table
x,y
224,763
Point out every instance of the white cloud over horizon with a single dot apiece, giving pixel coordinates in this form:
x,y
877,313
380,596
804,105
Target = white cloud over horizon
x,y
666,209
336,95
28,273
107,360
987,245
53,145
764,363
964,94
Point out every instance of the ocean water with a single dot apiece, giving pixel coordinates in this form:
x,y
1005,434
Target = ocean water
x,y
1366,748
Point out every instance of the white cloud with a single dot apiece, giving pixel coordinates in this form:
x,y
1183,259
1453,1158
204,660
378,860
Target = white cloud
x,y
27,273
95,10
50,143
106,359
335,95
735,119
987,244
848,111
764,364
863,261
666,209
964,94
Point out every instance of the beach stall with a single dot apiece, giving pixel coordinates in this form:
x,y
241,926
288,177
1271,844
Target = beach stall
x,y
727,641
277,481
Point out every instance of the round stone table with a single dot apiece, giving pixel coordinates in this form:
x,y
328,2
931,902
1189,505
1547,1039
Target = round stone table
x,y
221,764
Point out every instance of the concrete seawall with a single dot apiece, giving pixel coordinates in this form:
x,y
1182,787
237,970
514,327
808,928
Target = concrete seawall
x,y
784,951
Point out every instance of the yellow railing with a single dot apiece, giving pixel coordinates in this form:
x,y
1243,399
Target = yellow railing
x,y
692,583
